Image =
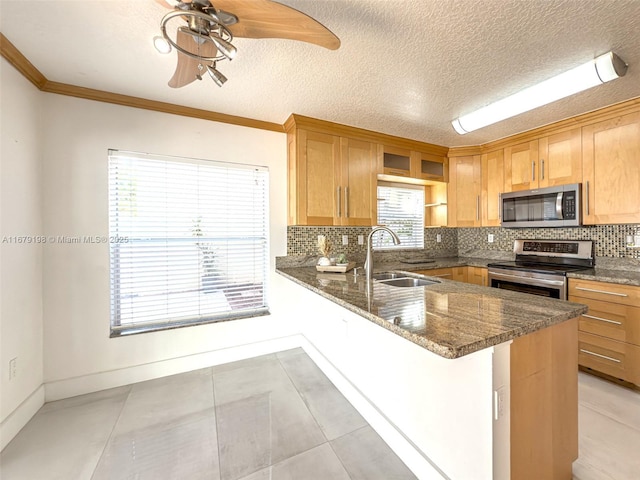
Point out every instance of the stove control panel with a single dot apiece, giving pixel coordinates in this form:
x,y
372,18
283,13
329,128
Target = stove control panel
x,y
550,247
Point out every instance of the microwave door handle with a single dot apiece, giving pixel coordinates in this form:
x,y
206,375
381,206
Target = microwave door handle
x,y
559,206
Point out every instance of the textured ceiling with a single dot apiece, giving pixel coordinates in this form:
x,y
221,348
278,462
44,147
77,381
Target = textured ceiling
x,y
405,67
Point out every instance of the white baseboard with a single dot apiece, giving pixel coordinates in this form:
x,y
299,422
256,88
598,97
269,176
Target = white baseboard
x,y
412,457
17,419
94,382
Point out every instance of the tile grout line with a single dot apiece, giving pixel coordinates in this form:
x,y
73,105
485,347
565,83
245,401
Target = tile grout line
x,y
113,428
215,412
610,417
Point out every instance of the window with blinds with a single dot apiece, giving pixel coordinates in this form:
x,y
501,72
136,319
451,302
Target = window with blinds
x,y
189,241
402,210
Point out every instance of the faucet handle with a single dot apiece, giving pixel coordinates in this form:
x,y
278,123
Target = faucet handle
x,y
355,271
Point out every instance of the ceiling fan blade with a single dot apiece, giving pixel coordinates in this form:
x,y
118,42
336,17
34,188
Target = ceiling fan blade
x,y
187,67
267,19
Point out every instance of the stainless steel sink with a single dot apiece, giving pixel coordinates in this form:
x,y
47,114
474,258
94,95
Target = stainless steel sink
x,y
408,282
387,276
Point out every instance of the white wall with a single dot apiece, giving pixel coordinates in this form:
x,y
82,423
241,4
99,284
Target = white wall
x,y
79,356
20,263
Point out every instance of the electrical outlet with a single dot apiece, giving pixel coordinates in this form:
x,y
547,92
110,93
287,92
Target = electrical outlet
x,y
360,239
629,240
438,238
345,239
498,403
490,238
13,368
636,240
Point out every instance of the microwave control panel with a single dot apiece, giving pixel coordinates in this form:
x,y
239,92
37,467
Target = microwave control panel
x,y
569,205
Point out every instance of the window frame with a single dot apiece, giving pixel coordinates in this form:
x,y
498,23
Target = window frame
x,y
118,327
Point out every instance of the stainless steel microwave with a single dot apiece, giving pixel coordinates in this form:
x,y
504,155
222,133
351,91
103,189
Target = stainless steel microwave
x,y
558,206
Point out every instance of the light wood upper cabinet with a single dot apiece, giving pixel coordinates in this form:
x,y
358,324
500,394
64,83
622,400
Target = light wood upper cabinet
x,y
611,170
465,190
426,166
332,180
492,166
358,182
551,160
520,166
560,159
475,185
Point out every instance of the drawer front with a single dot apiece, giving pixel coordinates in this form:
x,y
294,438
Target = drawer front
x,y
610,320
606,292
618,359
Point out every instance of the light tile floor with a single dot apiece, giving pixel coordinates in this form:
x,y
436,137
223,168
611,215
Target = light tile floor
x,y
275,417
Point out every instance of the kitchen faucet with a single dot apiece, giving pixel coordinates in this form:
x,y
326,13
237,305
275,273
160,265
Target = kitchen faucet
x,y
368,264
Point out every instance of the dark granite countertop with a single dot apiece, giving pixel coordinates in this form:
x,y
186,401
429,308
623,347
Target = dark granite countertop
x,y
451,319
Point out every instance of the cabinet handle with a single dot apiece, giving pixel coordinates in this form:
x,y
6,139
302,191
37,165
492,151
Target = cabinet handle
x,y
533,171
346,202
587,197
339,201
477,207
601,319
602,291
441,275
542,173
600,356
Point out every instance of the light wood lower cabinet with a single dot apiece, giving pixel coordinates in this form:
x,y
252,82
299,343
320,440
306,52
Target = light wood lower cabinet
x,y
438,272
610,330
618,359
478,276
544,403
475,275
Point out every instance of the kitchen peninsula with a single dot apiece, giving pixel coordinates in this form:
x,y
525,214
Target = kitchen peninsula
x,y
481,382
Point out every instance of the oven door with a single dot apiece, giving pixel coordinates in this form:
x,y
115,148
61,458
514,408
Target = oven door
x,y
552,286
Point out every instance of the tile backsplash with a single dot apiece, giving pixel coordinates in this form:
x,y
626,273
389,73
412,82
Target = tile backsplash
x,y
304,240
610,240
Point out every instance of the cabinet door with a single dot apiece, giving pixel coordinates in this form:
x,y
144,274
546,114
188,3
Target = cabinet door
x,y
459,274
477,276
464,191
560,159
358,182
492,187
611,170
429,167
317,179
520,166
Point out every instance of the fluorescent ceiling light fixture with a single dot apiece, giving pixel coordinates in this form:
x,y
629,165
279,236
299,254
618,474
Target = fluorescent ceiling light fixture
x,y
603,69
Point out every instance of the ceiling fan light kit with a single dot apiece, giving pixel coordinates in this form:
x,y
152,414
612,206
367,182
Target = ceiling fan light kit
x,y
207,33
595,72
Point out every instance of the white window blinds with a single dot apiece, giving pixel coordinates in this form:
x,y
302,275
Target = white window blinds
x,y
402,210
189,241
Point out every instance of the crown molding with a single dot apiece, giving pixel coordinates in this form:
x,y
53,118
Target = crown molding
x,y
31,73
332,128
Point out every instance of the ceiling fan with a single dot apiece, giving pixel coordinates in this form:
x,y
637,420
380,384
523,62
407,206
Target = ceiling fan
x,y
204,32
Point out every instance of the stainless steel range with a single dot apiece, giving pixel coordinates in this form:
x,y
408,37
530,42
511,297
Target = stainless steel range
x,y
541,266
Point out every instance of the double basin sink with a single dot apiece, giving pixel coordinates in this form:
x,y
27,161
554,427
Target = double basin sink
x,y
395,279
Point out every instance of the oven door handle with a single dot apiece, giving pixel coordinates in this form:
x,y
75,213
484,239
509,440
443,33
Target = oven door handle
x,y
524,280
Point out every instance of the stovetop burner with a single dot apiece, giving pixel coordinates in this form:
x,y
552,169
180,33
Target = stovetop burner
x,y
557,257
